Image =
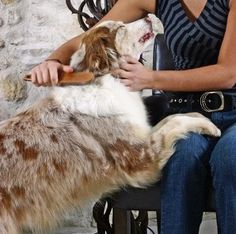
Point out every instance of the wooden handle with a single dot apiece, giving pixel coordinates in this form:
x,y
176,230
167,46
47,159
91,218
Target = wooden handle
x,y
73,78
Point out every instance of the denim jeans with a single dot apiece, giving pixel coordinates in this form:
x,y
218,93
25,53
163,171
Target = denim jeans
x,y
186,176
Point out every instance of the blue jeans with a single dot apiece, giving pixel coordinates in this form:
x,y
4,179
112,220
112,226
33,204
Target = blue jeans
x,y
198,160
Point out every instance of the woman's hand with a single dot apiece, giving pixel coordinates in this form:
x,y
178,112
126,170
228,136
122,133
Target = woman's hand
x,y
46,73
134,75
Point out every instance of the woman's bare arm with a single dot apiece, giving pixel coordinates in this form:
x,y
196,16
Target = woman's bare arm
x,y
219,76
136,9
47,72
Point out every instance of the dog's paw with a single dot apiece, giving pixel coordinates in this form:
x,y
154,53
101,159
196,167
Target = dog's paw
x,y
195,122
204,124
184,123
208,128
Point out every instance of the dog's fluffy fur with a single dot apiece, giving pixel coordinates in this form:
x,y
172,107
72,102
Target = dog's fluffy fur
x,y
83,141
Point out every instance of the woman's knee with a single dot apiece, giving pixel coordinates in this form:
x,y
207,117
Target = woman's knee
x,y
191,150
194,146
187,163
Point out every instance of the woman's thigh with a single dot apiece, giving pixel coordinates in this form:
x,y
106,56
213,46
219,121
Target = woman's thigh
x,y
184,184
223,157
223,169
190,162
194,149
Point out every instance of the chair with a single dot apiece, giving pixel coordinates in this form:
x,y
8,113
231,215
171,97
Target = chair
x,y
130,198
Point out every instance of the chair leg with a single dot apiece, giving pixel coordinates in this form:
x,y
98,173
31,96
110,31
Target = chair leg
x,y
101,216
158,221
121,221
142,220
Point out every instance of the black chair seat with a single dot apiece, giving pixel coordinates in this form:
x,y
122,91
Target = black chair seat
x,y
138,198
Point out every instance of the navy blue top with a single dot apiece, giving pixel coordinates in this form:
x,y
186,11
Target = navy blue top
x,y
193,43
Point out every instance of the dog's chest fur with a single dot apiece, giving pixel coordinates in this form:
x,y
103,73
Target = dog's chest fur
x,y
106,97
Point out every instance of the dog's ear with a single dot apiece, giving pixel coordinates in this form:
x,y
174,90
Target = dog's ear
x,y
98,53
121,39
77,58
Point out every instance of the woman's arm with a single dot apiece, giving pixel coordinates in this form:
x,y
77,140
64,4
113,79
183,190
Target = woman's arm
x,y
136,9
219,76
47,72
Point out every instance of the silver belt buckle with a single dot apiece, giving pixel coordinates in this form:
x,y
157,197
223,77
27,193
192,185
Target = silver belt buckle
x,y
203,102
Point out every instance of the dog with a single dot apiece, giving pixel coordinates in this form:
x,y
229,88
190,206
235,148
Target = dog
x,y
81,142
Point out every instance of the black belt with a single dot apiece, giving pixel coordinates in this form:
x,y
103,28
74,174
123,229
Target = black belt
x,y
203,102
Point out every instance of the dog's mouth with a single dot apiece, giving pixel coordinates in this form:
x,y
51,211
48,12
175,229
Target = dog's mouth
x,y
146,37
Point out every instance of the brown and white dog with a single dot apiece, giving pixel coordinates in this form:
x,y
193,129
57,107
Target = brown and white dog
x,y
83,141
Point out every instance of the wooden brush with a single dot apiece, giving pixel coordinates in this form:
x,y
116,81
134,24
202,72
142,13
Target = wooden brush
x,y
73,78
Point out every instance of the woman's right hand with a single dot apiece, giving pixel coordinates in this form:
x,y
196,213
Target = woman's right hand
x,y
47,72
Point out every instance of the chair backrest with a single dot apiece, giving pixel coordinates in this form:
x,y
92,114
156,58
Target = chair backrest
x,y
156,104
162,58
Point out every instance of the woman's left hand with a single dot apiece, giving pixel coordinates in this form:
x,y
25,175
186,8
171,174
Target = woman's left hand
x,y
133,74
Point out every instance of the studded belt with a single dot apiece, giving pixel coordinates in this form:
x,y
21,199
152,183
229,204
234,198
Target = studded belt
x,y
204,102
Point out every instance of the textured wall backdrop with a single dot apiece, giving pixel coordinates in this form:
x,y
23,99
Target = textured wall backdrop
x,y
29,31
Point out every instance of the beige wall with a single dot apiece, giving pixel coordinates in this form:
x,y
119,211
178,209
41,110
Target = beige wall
x,y
29,31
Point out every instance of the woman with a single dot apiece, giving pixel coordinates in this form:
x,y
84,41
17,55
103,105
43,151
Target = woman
x,y
201,36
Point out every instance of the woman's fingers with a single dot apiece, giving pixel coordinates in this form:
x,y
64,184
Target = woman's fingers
x,y
133,74
38,77
45,77
53,72
33,77
130,59
126,82
127,66
120,73
47,73
66,68
129,63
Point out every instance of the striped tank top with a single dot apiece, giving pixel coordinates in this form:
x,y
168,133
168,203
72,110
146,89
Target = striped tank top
x,y
193,43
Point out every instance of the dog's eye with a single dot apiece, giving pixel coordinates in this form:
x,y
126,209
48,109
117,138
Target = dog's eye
x,y
104,40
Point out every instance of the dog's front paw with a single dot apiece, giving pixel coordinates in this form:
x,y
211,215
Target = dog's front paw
x,y
195,122
208,128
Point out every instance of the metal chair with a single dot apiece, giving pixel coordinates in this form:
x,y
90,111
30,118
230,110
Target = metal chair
x,y
89,12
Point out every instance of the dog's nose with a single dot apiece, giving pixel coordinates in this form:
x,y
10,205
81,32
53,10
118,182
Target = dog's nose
x,y
148,19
